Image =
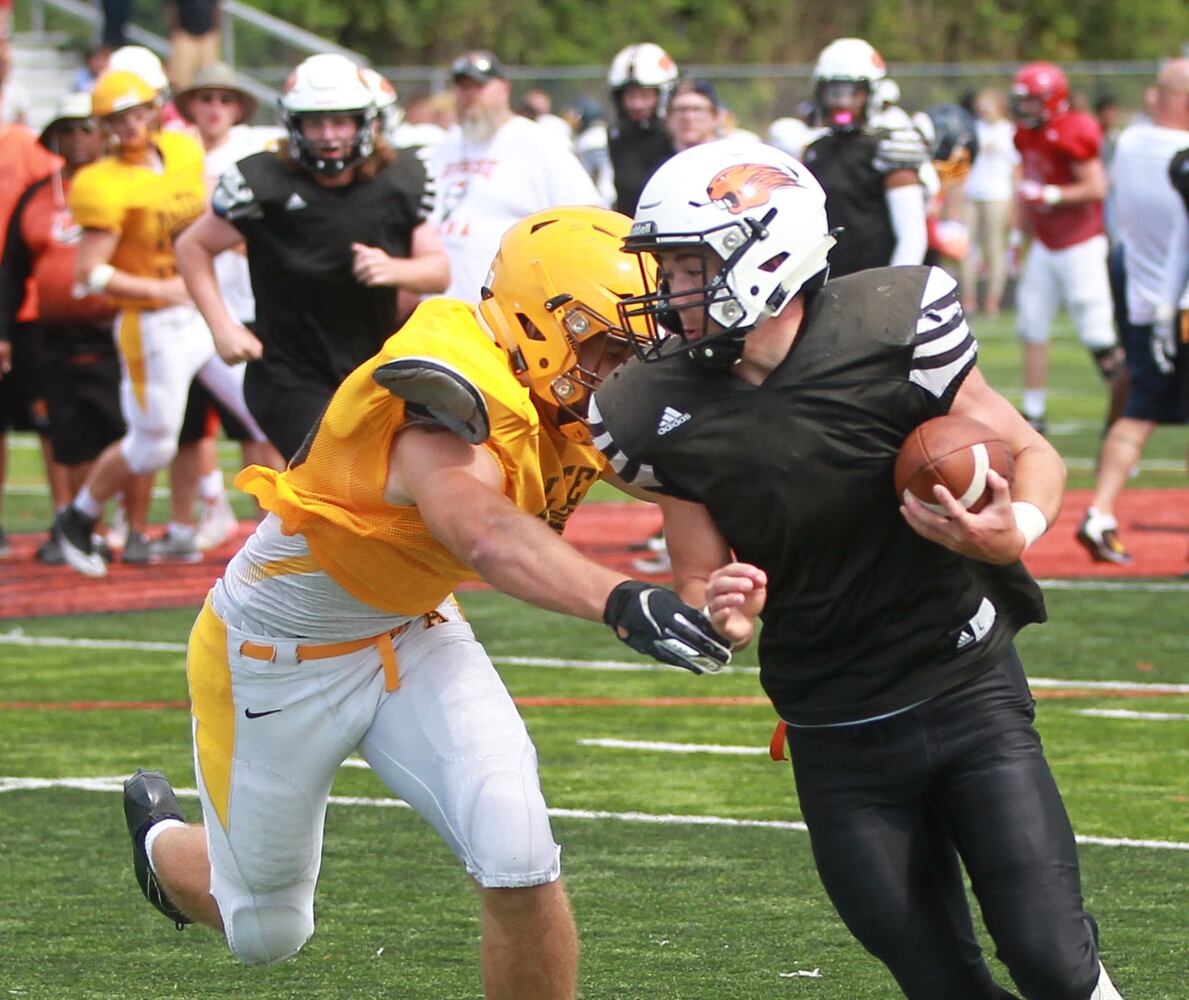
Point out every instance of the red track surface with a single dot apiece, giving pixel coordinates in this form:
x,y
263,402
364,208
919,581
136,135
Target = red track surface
x,y
1154,524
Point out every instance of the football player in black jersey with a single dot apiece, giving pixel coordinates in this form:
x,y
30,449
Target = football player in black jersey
x,y
641,77
869,171
335,223
765,414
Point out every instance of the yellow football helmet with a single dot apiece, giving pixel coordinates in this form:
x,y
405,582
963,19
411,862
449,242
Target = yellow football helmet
x,y
554,286
119,90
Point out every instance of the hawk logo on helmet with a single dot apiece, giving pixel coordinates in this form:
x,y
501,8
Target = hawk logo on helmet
x,y
748,185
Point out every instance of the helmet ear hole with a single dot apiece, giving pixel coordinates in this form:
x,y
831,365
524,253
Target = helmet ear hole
x,y
771,264
529,327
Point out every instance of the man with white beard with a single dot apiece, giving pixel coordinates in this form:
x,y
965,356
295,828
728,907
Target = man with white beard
x,y
493,168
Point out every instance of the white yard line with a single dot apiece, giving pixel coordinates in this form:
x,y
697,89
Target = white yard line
x,y
1122,713
116,784
717,748
17,637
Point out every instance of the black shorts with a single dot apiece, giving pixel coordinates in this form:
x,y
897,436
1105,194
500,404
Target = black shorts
x,y
1154,395
83,396
285,406
196,424
22,390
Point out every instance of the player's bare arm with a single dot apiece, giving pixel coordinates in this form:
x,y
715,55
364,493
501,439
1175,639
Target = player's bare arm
x,y
196,250
458,490
425,271
94,273
1000,532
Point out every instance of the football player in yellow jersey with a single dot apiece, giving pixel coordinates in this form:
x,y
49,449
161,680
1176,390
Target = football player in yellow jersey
x,y
457,452
131,204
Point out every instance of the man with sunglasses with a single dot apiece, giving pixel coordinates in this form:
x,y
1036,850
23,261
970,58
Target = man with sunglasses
x,y
494,167
77,372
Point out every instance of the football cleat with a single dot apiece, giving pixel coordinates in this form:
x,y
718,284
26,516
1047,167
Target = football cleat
x,y
5,547
136,548
148,799
49,552
1100,537
174,547
1038,423
216,524
72,529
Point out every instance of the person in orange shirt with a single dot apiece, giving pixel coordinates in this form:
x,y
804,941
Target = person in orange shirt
x,y
82,402
23,160
457,452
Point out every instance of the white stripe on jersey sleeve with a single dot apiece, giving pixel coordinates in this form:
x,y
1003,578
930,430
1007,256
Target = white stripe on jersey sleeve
x,y
944,348
631,472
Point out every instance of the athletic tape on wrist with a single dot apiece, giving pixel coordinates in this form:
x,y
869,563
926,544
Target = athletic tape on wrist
x,y
1051,194
99,278
1029,520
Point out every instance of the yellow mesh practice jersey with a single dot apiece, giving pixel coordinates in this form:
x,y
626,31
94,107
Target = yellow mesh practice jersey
x,y
383,554
148,209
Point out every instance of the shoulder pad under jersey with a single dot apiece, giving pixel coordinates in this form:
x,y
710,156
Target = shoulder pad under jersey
x,y
435,393
900,149
233,198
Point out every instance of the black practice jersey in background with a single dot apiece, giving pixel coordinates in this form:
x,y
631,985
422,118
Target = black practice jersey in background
x,y
850,169
635,154
316,321
863,616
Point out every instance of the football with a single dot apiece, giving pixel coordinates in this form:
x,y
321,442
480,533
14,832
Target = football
x,y
954,452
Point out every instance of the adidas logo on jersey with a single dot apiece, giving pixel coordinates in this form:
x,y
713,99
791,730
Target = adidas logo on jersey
x,y
671,419
295,202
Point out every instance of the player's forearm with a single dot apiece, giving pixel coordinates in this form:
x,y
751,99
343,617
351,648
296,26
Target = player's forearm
x,y
425,274
1039,477
196,264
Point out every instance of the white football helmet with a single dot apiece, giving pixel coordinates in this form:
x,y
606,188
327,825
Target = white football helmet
x,y
385,97
845,69
328,83
645,65
758,210
145,64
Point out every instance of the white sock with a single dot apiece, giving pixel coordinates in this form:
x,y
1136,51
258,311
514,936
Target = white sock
x,y
155,831
1034,403
85,503
1104,522
1105,989
211,487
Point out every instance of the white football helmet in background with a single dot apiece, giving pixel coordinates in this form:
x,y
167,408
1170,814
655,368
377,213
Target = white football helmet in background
x,y
145,64
760,211
328,83
849,59
385,97
846,70
645,65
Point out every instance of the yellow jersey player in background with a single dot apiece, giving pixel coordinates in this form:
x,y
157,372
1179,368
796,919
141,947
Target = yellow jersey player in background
x,y
131,204
456,453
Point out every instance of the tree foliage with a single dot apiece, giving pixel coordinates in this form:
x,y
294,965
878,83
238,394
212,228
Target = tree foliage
x,y
578,32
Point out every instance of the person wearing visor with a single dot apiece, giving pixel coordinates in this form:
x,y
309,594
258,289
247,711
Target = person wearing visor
x,y
767,426
336,223
130,205
457,452
871,175
494,167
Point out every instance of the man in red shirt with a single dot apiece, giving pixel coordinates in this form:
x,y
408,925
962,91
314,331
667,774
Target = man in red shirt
x,y
81,399
1059,198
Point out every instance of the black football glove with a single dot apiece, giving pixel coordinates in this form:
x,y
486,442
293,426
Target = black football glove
x,y
660,624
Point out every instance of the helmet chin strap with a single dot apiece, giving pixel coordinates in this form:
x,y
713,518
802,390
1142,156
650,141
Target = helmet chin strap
x,y
721,352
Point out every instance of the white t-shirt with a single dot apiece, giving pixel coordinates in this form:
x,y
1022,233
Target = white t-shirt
x,y
483,188
231,266
990,177
1146,204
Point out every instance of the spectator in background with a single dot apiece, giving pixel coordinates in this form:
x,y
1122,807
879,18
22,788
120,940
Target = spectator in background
x,y
95,60
871,176
23,161
418,126
115,22
589,123
1146,202
537,106
1059,201
694,114
334,222
493,168
219,108
193,38
989,192
640,78
79,369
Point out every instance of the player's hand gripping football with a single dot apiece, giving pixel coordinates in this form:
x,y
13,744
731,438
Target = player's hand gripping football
x,y
655,621
991,535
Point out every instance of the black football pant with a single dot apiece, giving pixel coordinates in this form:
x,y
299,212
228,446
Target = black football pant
x,y
286,406
895,808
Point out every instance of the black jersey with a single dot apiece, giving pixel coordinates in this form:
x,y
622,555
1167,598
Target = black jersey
x,y
635,154
863,616
1178,175
852,168
315,319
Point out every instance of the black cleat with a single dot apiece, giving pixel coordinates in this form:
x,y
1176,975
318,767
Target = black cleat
x,y
72,531
1100,537
149,798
